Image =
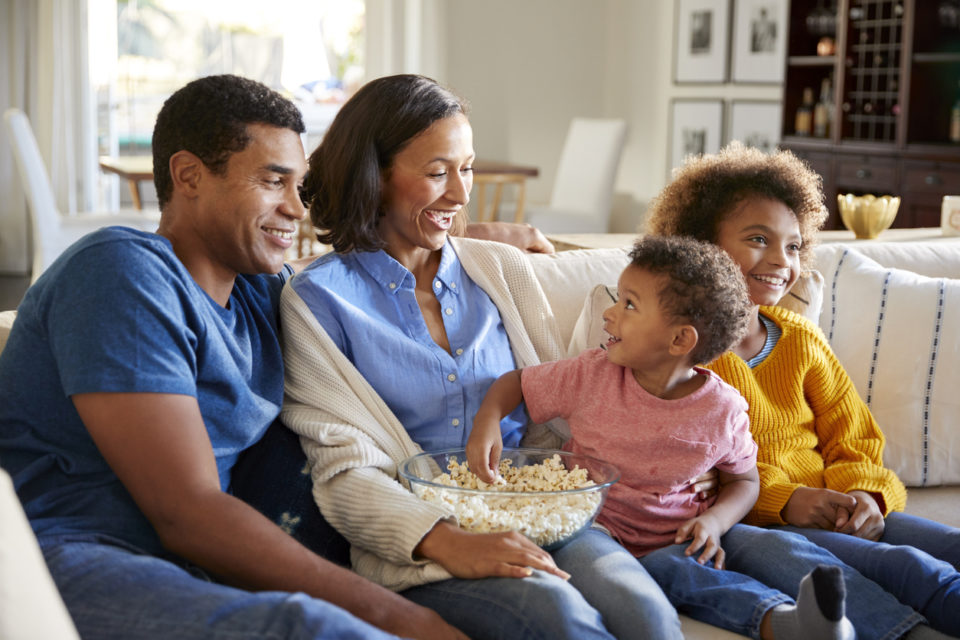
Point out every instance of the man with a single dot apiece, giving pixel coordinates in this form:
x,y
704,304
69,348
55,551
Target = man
x,y
139,368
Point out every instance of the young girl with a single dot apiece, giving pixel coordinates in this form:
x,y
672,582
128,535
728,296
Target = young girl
x,y
820,453
643,405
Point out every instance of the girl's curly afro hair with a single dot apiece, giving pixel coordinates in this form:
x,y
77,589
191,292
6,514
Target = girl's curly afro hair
x,y
709,187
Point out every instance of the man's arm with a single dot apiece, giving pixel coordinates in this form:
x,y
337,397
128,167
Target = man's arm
x,y
158,446
523,236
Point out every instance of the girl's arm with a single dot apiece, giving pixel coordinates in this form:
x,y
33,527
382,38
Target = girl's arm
x,y
849,438
486,443
735,498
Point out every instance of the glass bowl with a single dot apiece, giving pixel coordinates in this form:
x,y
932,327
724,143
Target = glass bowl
x,y
550,517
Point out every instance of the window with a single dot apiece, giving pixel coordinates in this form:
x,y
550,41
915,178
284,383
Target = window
x,y
143,50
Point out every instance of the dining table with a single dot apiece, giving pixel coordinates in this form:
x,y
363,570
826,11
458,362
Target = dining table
x,y
495,175
486,174
133,169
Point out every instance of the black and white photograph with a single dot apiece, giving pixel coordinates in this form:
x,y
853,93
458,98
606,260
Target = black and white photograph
x,y
700,24
702,41
755,123
759,41
696,127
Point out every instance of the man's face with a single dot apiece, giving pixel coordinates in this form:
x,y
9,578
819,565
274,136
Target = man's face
x,y
247,218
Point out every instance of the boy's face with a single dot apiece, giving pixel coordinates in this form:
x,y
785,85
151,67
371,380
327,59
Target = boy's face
x,y
763,237
640,332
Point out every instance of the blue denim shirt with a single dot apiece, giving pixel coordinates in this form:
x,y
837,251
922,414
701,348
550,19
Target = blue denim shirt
x,y
367,304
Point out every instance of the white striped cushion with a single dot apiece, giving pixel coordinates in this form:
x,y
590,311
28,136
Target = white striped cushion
x,y
897,334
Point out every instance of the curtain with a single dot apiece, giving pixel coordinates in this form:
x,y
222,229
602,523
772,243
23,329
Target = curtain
x,y
44,54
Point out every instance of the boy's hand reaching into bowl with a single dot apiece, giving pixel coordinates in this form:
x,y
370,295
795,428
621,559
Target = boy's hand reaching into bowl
x,y
486,444
484,447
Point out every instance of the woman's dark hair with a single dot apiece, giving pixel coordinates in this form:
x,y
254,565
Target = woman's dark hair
x,y
208,117
708,188
701,286
343,183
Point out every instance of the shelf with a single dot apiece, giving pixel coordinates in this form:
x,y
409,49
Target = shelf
x,y
894,81
808,143
936,58
811,61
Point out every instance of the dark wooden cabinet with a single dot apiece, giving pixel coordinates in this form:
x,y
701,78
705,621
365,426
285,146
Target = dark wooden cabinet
x,y
893,68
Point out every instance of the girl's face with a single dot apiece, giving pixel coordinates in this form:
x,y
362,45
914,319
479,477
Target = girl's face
x,y
763,236
427,184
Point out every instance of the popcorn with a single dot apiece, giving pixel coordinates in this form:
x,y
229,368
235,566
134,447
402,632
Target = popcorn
x,y
545,520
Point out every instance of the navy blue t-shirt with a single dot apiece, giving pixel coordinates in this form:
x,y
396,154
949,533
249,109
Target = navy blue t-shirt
x,y
118,312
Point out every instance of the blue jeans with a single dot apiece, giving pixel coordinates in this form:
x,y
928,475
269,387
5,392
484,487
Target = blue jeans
x,y
609,595
116,592
915,559
763,570
273,477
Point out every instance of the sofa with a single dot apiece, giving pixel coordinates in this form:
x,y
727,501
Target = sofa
x,y
890,309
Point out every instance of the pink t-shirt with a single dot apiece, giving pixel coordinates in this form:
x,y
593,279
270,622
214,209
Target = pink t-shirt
x,y
659,445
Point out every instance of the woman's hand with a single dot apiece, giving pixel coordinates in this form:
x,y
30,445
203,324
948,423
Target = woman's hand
x,y
817,508
483,555
866,519
705,485
705,531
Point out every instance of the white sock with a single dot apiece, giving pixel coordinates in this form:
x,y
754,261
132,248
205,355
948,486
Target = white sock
x,y
819,612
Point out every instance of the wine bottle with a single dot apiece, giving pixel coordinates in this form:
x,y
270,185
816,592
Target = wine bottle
x,y
821,111
803,123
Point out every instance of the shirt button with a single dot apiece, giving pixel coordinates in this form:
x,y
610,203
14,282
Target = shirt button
x,y
392,285
452,377
453,285
437,284
448,311
459,352
455,422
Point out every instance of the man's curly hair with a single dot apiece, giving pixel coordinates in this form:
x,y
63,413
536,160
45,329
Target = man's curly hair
x,y
702,286
709,187
208,117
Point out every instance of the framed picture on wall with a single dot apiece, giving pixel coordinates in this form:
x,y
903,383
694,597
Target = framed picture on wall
x,y
696,127
755,123
701,40
759,40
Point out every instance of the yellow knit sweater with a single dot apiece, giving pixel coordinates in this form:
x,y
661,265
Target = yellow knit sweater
x,y
811,427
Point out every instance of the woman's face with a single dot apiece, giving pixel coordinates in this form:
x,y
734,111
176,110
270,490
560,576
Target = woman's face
x,y
427,185
763,236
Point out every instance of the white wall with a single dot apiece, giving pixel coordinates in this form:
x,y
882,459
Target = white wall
x,y
528,67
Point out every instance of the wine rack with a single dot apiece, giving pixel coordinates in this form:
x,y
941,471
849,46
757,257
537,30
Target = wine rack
x,y
871,83
894,70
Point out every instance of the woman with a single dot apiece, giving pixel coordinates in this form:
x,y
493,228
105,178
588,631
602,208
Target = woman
x,y
390,345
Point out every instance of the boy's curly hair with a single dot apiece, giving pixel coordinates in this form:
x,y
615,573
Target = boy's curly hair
x,y
702,286
709,187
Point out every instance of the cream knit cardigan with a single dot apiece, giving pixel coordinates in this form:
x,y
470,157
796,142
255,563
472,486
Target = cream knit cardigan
x,y
353,441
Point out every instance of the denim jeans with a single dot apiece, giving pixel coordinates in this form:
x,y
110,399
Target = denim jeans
x,y
915,559
114,592
763,570
273,477
609,595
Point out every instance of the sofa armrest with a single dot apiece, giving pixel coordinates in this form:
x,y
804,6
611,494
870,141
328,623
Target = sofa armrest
x,y
30,606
